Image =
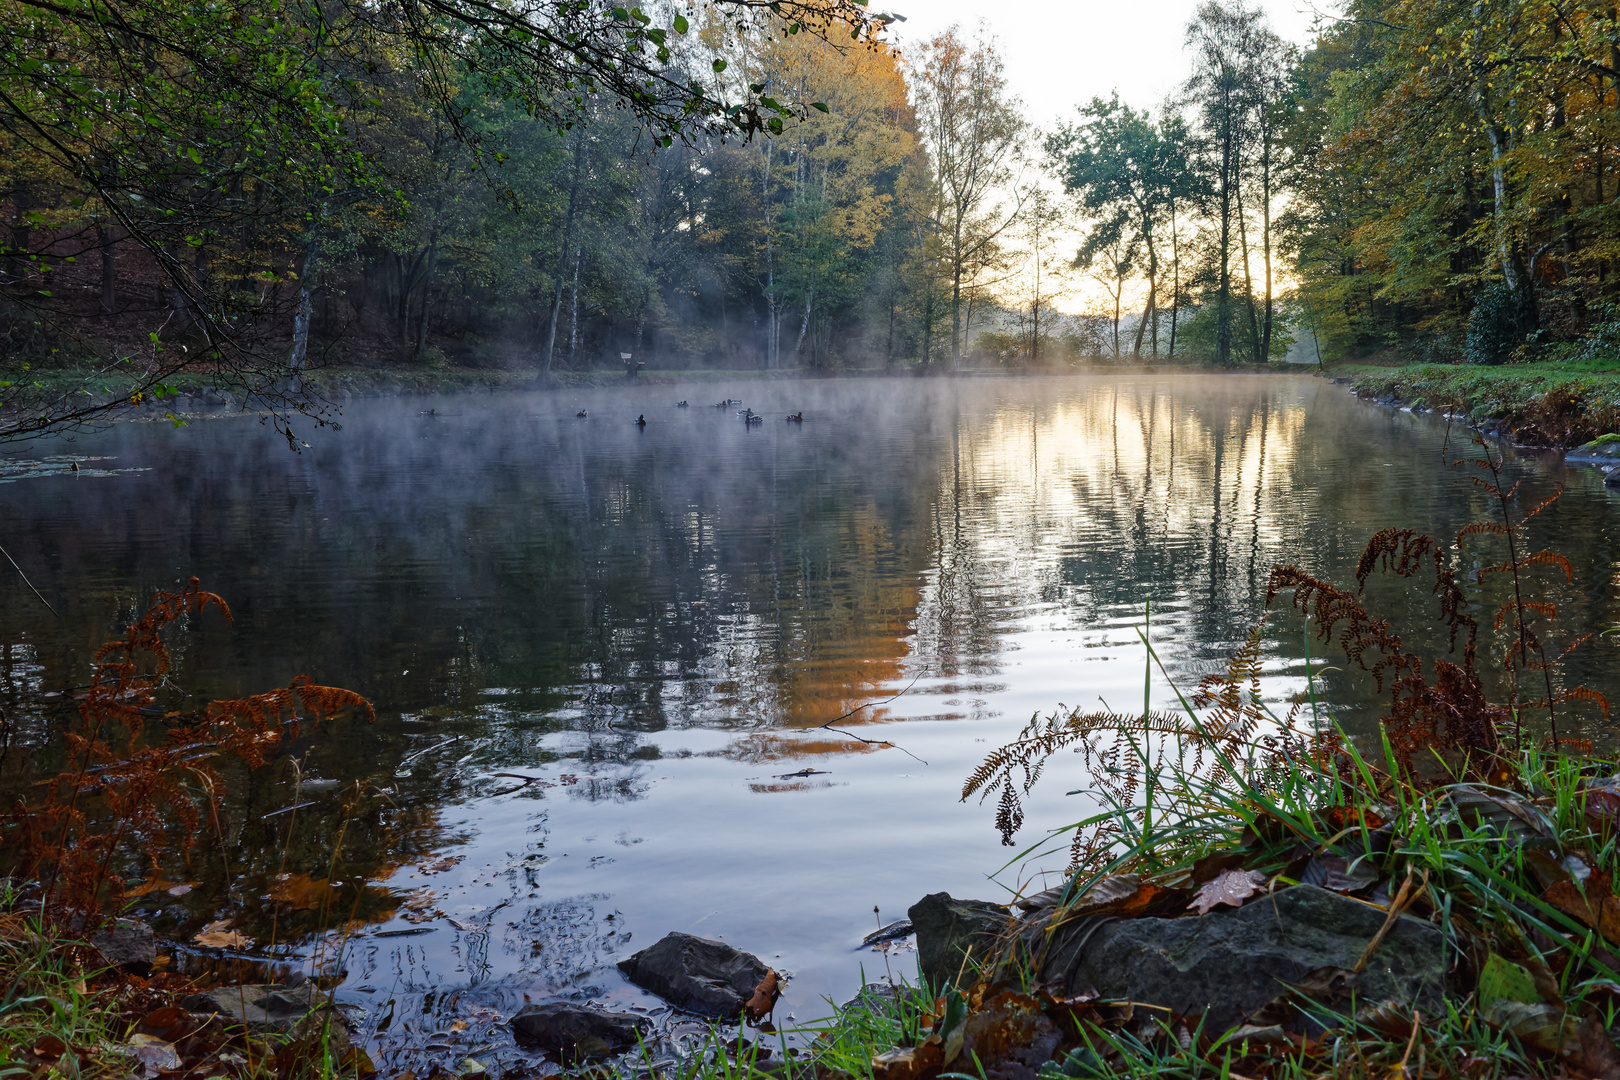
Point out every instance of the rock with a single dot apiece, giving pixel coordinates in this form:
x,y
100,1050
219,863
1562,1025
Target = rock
x,y
1603,451
1612,477
892,932
955,936
260,1009
1227,964
575,1031
127,944
708,978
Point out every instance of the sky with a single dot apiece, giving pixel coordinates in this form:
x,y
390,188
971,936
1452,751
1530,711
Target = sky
x,y
1061,53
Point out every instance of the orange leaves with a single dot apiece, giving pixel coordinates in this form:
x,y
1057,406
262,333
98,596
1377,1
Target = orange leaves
x,y
764,997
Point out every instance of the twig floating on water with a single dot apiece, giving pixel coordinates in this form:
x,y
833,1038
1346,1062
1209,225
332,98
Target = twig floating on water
x,y
26,582
286,810
828,726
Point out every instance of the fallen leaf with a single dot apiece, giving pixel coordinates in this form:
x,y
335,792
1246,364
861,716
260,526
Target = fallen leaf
x,y
223,939
49,1046
764,997
1597,907
1232,887
458,1027
155,1055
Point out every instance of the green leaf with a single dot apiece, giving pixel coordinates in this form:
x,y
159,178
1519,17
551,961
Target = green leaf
x,y
681,24
195,155
719,66
822,105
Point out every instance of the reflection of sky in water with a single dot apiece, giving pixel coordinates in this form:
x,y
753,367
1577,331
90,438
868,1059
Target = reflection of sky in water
x,y
650,632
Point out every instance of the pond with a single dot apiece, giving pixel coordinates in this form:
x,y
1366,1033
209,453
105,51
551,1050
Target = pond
x,y
701,675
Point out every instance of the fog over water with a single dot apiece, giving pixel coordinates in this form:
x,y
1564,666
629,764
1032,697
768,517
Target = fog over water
x,y
655,623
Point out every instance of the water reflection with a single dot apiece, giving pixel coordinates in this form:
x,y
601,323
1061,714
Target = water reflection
x,y
605,658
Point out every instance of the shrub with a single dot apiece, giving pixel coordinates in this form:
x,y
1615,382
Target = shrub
x,y
1497,325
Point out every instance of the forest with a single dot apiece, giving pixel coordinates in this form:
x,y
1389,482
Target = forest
x,y
252,193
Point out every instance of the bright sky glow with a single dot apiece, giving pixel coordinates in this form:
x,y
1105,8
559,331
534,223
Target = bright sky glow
x,y
1061,53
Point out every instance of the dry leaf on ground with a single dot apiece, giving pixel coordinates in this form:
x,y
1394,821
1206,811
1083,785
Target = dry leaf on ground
x,y
1232,887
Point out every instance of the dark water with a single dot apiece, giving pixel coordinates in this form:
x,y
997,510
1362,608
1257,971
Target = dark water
x,y
655,623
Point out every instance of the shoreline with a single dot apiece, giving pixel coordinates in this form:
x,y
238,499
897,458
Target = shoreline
x,y
1533,406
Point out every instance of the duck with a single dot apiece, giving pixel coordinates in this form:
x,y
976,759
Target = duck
x,y
726,404
795,418
428,412
752,417
641,421
581,414
680,404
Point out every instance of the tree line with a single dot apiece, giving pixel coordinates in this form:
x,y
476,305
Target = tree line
x,y
564,184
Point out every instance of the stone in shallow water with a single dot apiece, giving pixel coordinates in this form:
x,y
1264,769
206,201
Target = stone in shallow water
x,y
260,1008
576,1031
698,975
1229,963
127,943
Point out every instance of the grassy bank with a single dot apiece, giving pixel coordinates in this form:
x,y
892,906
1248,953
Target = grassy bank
x,y
1553,405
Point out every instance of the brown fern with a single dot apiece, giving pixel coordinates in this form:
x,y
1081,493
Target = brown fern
x,y
125,794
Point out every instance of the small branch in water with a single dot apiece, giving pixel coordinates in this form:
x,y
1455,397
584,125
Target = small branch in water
x,y
828,726
26,582
286,810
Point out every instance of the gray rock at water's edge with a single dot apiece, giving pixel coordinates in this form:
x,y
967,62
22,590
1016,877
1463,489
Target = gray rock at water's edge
x,y
1595,453
1611,478
575,1031
128,944
260,1008
698,975
896,930
1227,964
956,937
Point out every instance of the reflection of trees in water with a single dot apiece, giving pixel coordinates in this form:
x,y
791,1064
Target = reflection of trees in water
x,y
553,591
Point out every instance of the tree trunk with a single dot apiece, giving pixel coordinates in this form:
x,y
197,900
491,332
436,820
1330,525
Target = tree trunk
x,y
427,287
804,324
1175,284
109,269
1265,237
562,247
1223,296
573,308
301,316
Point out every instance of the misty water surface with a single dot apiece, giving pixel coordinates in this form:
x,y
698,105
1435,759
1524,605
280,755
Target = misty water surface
x,y
654,624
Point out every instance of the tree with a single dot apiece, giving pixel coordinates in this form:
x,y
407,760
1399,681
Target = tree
x,y
218,148
1238,91
1126,176
973,130
1044,272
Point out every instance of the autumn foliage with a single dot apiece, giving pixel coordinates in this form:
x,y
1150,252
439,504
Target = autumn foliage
x,y
141,784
